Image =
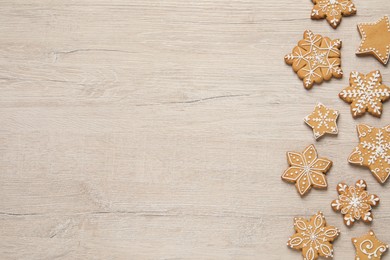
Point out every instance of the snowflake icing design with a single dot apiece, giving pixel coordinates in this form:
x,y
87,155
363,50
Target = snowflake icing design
x,y
307,170
313,237
332,10
354,202
365,93
373,151
315,59
322,120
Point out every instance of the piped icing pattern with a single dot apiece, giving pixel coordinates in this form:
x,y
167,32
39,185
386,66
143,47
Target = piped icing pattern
x,y
307,170
369,247
323,121
355,203
365,93
314,238
375,39
315,59
332,10
373,151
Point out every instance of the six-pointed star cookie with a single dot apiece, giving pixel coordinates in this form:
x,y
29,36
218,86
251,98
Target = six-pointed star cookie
x,y
369,247
373,150
313,237
322,120
332,10
354,202
365,93
375,39
315,59
307,170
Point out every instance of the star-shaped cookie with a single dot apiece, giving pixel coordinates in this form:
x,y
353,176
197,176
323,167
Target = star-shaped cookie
x,y
332,10
365,93
355,203
322,120
307,170
369,247
375,39
315,59
373,151
313,237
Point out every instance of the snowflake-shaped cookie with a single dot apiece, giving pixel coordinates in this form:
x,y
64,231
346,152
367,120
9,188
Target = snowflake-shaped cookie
x,y
322,120
307,170
313,237
315,59
375,39
369,247
354,202
332,10
365,93
373,150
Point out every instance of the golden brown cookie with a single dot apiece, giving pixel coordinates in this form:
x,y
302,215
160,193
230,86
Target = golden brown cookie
x,y
307,170
315,59
375,39
355,203
323,121
368,247
332,10
373,150
365,93
313,237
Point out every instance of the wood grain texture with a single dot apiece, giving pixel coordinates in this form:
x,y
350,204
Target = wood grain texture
x,y
149,129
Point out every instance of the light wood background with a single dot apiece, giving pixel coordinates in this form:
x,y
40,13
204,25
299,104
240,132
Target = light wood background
x,y
157,129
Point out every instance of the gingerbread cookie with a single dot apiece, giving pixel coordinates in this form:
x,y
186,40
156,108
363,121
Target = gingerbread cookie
x,y
307,170
354,202
373,150
375,39
332,10
365,93
323,121
315,59
368,247
313,237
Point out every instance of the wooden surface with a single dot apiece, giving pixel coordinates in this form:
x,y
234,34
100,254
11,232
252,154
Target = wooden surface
x,y
149,129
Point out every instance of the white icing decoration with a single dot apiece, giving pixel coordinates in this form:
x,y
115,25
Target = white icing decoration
x,y
361,50
366,93
355,202
316,58
306,170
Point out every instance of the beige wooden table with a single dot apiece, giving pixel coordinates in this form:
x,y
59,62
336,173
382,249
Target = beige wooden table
x,y
157,129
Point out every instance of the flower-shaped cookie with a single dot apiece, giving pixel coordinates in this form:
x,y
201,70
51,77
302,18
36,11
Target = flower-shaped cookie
x,y
354,202
373,150
332,10
315,59
323,121
369,247
306,170
313,237
365,93
375,39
